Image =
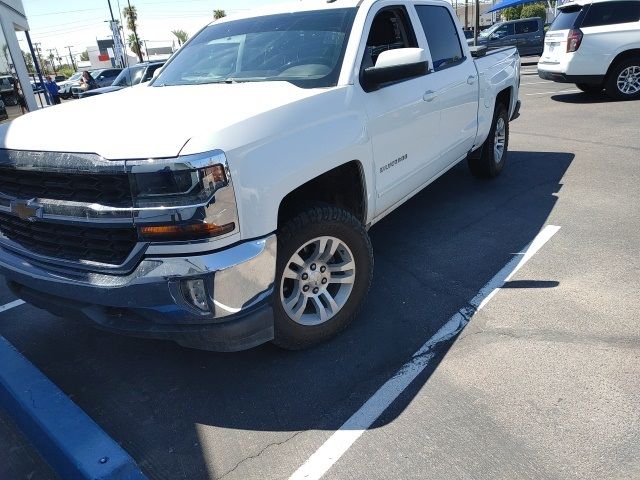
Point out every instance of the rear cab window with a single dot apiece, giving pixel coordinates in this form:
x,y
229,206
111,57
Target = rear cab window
x,y
442,36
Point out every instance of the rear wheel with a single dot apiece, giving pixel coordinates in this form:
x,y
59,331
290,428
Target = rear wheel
x,y
623,81
324,270
493,153
589,88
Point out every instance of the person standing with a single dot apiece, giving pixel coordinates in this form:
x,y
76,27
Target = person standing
x,y
53,89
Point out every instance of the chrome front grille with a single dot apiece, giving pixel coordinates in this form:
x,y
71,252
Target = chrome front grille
x,y
103,189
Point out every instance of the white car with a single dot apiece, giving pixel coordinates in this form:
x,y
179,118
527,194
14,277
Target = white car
x,y
596,45
263,151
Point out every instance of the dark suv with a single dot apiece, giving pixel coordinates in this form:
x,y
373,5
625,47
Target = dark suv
x,y
526,34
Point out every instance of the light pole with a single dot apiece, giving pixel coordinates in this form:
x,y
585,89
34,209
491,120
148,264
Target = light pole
x,y
73,63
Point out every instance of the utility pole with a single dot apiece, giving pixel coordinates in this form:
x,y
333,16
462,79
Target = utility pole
x,y
476,28
466,13
73,64
39,54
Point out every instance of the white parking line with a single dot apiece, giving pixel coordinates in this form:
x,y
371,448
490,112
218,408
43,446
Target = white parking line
x,y
9,306
336,446
535,83
551,93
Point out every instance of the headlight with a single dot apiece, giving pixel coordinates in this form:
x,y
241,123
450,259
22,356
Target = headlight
x,y
184,198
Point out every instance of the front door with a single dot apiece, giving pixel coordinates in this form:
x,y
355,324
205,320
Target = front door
x,y
403,118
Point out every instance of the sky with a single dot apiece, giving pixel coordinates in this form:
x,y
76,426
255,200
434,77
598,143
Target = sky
x,y
58,23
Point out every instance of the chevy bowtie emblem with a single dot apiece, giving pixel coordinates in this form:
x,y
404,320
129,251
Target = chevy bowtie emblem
x,y
26,209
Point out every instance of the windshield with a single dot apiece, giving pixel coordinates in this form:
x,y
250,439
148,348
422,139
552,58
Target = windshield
x,y
304,48
567,18
128,77
489,31
75,76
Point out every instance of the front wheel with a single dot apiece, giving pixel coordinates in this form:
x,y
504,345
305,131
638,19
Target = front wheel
x,y
623,82
324,270
493,153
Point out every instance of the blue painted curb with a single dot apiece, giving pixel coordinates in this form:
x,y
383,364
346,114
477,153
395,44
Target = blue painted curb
x,y
71,442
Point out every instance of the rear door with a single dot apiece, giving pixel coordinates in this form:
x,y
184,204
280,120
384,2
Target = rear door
x,y
529,37
455,81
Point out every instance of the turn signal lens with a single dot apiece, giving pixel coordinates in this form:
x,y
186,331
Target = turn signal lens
x,y
185,232
574,40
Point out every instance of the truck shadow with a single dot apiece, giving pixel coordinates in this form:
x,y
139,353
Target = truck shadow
x,y
186,414
584,98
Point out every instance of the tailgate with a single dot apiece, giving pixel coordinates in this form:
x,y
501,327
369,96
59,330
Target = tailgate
x,y
555,45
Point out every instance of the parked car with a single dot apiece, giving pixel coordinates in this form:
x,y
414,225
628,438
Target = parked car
x,y
60,78
7,90
3,112
130,76
104,77
37,86
596,45
242,216
525,34
67,85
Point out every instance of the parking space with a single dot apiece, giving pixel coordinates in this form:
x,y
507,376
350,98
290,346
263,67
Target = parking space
x,y
541,384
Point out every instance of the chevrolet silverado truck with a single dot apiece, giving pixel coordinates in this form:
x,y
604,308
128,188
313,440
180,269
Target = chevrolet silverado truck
x,y
235,211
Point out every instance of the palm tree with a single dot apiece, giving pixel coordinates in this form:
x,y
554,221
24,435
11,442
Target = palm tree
x,y
181,35
131,14
135,45
218,14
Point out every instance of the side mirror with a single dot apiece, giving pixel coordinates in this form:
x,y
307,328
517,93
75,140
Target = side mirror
x,y
394,66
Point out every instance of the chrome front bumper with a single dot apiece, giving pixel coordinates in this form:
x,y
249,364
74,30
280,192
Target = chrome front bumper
x,y
149,301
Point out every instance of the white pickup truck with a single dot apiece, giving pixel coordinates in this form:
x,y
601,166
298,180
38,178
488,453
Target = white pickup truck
x,y
227,203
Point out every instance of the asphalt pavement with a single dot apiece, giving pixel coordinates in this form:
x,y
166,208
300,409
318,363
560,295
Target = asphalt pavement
x,y
543,383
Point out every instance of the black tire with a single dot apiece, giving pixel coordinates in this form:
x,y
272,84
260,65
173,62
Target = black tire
x,y
589,88
611,84
485,164
308,225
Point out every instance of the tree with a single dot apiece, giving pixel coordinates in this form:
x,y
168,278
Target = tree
x,y
135,45
84,56
28,60
535,10
218,14
512,13
181,35
131,14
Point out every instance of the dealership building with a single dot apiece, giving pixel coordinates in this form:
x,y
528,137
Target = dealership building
x,y
13,23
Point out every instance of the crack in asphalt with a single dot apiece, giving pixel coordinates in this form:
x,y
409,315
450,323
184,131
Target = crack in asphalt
x,y
554,336
251,457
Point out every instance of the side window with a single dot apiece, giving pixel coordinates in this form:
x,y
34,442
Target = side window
x,y
526,27
390,29
612,13
442,35
503,31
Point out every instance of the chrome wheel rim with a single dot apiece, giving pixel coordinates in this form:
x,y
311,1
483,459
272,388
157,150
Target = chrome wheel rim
x,y
629,80
500,140
317,281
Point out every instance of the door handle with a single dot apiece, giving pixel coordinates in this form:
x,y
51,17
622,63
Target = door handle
x,y
429,96
471,80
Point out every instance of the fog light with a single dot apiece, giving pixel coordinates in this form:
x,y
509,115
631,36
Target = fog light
x,y
195,293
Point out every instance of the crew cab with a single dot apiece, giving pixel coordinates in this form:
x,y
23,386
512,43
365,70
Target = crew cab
x,y
243,217
596,45
526,34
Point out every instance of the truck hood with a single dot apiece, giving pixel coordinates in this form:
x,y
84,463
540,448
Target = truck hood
x,y
146,122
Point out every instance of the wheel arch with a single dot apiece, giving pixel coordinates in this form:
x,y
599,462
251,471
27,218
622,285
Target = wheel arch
x,y
343,186
633,52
